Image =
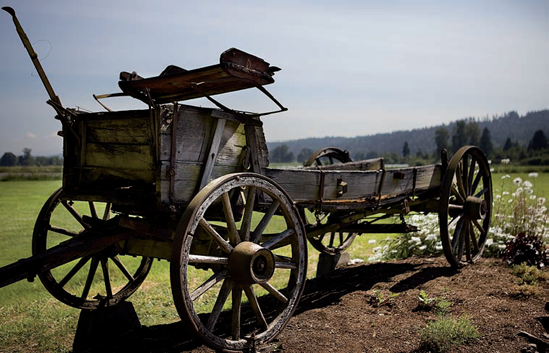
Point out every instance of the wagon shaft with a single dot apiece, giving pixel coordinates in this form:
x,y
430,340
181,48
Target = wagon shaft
x,y
86,243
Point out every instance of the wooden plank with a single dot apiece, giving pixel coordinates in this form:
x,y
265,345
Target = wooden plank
x,y
368,164
194,133
137,157
120,131
212,154
187,178
304,185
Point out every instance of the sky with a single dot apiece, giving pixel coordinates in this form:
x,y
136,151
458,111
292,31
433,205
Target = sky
x,y
349,68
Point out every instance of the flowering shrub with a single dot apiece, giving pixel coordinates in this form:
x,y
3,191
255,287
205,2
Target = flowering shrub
x,y
425,242
516,210
519,222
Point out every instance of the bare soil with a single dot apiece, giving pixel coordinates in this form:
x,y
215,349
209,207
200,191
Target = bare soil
x,y
343,311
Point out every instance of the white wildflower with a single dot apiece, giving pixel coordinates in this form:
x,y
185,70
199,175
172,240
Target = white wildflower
x,y
527,184
533,175
517,181
423,247
431,237
371,241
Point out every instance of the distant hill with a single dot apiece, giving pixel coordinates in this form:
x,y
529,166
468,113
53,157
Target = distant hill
x,y
519,128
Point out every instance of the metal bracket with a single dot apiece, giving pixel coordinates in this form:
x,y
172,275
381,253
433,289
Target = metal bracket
x,y
343,185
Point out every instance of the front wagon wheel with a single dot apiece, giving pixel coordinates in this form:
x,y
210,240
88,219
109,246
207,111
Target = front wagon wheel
x,y
101,279
465,206
239,262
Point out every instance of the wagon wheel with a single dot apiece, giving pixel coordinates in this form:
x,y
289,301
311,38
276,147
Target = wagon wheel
x,y
465,206
330,243
79,283
254,267
328,155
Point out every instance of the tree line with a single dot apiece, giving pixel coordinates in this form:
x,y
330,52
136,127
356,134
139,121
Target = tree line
x,y
28,160
464,132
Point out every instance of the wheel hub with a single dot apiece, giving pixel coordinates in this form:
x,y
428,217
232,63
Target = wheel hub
x,y
251,263
475,208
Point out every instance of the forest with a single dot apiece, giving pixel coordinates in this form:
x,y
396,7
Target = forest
x,y
506,137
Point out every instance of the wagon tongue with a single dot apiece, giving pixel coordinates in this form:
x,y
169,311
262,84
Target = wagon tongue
x,y
34,57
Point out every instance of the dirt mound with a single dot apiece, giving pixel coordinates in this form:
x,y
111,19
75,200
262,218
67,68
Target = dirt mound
x,y
376,308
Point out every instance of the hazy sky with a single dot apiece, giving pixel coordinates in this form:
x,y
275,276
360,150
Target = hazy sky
x,y
348,67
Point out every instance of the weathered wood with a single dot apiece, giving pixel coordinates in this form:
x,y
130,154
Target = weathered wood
x,y
367,164
304,185
196,141
211,157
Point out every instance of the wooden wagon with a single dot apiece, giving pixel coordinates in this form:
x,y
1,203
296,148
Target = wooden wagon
x,y
193,186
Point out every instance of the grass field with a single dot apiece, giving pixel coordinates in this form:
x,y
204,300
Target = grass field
x,y
31,320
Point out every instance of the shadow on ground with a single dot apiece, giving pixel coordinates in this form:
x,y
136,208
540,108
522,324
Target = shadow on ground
x,y
319,292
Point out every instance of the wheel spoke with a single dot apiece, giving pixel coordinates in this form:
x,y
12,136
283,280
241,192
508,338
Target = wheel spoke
x,y
476,182
457,233
210,282
89,279
465,173
107,212
248,212
479,227
459,182
74,271
122,268
206,259
222,296
93,210
256,235
454,220
278,238
474,238
284,262
234,237
468,241
255,306
331,243
471,175
75,214
236,312
223,244
274,292
62,231
481,192
456,193
106,277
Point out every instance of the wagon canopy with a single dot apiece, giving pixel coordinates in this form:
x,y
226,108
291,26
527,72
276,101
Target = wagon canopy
x,y
236,70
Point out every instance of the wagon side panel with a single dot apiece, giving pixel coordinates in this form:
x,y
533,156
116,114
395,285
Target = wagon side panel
x,y
203,148
114,150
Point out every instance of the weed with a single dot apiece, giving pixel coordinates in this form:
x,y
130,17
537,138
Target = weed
x,y
527,281
446,332
381,299
439,304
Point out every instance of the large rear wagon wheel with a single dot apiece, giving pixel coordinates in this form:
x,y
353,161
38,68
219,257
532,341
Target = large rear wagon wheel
x,y
465,206
328,156
97,280
237,275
